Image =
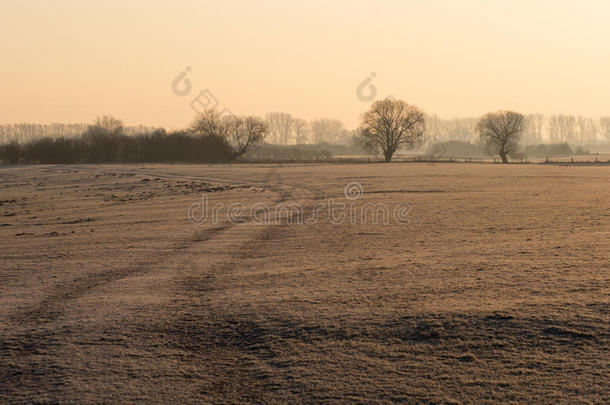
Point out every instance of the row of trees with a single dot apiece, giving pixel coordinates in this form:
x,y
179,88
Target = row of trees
x,y
283,129
394,124
29,132
391,125
388,126
211,138
286,130
537,128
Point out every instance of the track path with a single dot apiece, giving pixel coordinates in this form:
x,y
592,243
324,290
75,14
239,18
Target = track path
x,y
61,346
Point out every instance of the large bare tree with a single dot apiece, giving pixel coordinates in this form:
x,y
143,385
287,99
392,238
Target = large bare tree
x,y
500,132
391,125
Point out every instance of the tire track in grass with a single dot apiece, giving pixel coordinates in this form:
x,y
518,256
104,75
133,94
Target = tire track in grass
x,y
27,354
205,336
50,307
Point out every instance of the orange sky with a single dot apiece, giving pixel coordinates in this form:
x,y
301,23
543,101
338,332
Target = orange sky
x,y
71,60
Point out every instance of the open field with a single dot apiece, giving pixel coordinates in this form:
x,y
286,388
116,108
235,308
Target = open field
x,y
496,290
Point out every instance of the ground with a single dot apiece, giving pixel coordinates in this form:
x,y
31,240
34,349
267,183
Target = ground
x,y
491,284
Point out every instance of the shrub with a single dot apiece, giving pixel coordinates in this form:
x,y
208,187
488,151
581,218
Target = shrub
x,y
96,146
290,152
456,149
548,150
11,152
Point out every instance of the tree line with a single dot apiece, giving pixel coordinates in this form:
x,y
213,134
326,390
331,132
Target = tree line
x,y
391,125
211,138
538,129
26,132
284,129
387,127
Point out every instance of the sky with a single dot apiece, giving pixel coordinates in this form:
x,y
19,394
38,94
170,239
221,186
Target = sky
x,y
72,60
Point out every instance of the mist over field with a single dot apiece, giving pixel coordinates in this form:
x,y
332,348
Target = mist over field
x,y
304,202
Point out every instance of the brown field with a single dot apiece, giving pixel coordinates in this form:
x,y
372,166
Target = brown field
x,y
496,291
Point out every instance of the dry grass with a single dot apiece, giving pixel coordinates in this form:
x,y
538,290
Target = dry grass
x,y
498,291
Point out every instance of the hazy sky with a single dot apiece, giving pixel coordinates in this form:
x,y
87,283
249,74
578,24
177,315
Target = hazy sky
x,y
71,60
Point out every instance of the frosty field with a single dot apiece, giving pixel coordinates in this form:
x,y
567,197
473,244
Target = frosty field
x,y
493,287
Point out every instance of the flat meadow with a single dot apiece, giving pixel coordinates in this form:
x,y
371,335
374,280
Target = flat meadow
x,y
305,283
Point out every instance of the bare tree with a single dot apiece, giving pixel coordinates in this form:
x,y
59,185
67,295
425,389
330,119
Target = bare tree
x,y
319,131
101,139
109,124
280,127
562,128
434,128
534,124
604,123
244,133
587,131
209,123
391,125
326,130
345,137
500,132
462,129
301,131
335,129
